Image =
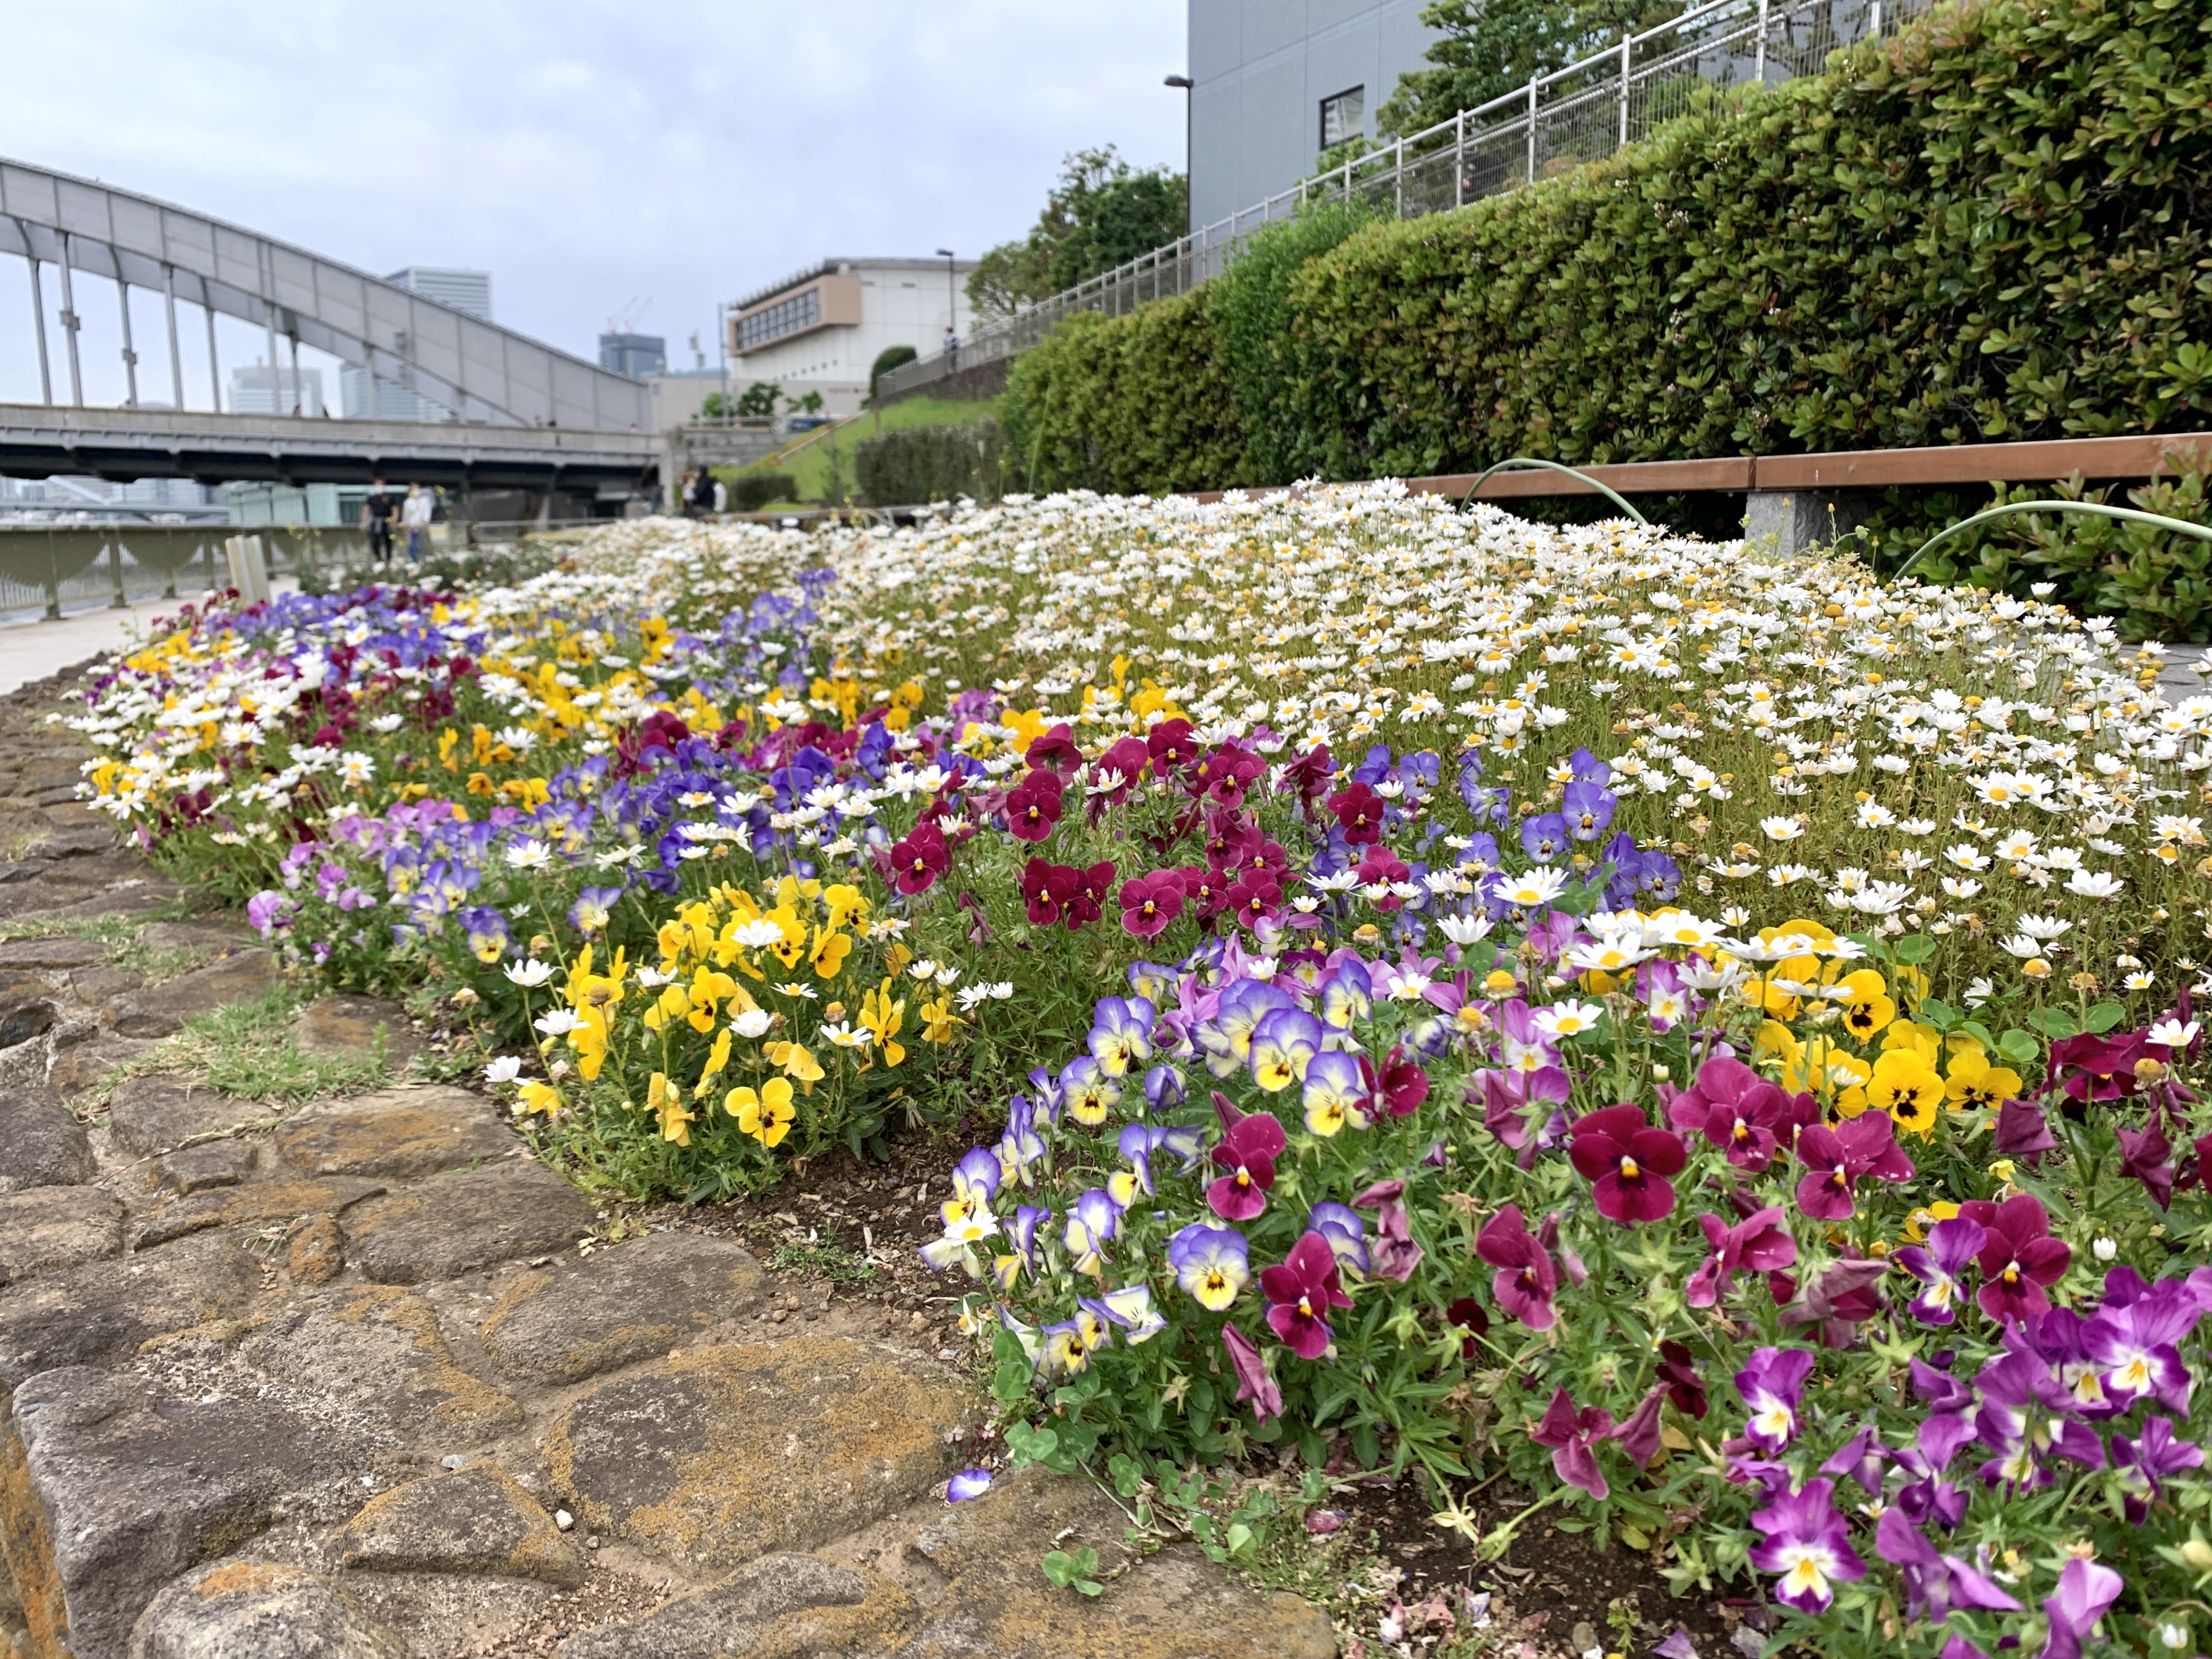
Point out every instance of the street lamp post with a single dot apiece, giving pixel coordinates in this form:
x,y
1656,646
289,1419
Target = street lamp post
x,y
1183,83
951,313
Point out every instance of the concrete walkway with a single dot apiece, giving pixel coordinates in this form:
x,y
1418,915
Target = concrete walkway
x,y
32,650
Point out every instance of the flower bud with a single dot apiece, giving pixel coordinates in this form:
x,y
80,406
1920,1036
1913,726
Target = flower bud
x,y
2105,1249
2198,1554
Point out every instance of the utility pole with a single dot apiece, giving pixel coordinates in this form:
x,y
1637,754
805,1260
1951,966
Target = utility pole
x,y
1183,83
951,313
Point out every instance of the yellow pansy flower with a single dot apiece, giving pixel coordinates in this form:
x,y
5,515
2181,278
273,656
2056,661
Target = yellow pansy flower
x,y
795,1059
1869,1009
830,950
1973,1084
668,1099
1924,1041
883,1016
765,1115
1905,1085
538,1097
938,1020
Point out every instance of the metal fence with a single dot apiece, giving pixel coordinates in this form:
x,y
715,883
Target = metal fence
x,y
1553,124
45,569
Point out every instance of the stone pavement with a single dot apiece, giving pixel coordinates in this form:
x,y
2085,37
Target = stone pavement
x,y
361,1380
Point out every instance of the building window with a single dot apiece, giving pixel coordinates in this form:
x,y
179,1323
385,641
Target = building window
x,y
1343,116
784,316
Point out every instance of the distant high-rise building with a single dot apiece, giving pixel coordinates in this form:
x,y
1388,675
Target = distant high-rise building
x,y
464,290
363,397
634,354
257,389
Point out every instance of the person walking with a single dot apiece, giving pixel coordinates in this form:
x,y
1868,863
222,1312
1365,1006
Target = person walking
x,y
415,519
721,502
377,512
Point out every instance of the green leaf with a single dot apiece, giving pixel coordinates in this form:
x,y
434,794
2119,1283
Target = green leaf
x,y
2103,1016
1073,1571
2018,1048
1938,1013
1913,948
1011,1381
1238,1538
1031,1445
2056,1023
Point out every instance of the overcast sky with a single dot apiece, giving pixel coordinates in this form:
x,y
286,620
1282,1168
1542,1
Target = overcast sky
x,y
587,155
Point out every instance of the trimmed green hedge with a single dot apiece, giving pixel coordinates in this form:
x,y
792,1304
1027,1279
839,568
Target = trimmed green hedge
x,y
1992,228
924,464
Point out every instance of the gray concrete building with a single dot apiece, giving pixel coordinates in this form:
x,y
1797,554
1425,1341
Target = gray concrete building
x,y
1277,82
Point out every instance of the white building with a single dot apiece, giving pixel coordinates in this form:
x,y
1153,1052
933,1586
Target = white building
x,y
1278,82
822,329
251,392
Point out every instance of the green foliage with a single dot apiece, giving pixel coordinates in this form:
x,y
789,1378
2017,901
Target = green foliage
x,y
714,406
1492,47
1249,308
751,491
759,398
1990,228
1102,213
249,1049
2158,583
888,358
1142,404
930,464
1074,1572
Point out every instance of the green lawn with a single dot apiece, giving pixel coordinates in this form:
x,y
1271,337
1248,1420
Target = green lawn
x,y
810,466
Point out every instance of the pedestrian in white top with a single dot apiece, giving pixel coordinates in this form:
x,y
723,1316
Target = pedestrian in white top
x,y
415,519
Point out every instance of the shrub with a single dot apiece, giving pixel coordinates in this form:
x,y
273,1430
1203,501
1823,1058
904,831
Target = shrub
x,y
751,491
1991,228
888,358
1145,403
930,464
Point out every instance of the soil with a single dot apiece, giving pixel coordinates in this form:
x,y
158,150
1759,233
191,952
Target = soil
x,y
843,1231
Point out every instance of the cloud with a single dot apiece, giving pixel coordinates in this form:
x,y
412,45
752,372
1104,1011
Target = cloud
x,y
588,153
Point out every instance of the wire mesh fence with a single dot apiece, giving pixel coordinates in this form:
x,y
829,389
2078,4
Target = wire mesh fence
x,y
1558,122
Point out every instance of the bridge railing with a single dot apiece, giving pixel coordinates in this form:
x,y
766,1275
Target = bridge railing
x,y
48,569
1555,124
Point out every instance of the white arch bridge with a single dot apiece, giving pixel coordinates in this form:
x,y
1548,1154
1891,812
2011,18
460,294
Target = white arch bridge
x,y
528,415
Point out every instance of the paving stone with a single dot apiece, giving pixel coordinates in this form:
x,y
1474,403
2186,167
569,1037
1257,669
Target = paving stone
x,y
722,1454
401,1132
103,1311
40,1143
163,1010
628,1301
454,1224
131,898
209,935
777,1605
379,1350
1175,1605
13,871
259,1610
258,1204
52,953
81,1066
72,842
131,1487
45,1229
341,1023
211,1164
474,1519
155,1113
26,1011
315,1254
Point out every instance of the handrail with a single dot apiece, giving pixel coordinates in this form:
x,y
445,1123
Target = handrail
x,y
1730,40
1523,462
2095,509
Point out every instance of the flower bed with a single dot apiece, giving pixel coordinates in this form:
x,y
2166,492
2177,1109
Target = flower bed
x,y
1709,1038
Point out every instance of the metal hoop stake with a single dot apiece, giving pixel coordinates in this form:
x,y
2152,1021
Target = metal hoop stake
x,y
2095,509
1554,467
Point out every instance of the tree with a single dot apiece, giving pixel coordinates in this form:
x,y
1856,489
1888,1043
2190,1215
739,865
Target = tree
x,y
759,398
1103,212
1492,47
887,360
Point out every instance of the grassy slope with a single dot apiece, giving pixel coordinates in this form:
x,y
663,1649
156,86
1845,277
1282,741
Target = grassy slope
x,y
810,466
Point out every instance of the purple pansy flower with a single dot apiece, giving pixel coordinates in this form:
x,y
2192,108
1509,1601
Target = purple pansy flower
x,y
1951,1245
1570,1433
1770,1386
1394,1254
1526,1281
2027,1415
969,1483
1252,1383
2086,1591
2143,1461
1758,1243
1934,1583
1806,1542
1345,1232
1301,1289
